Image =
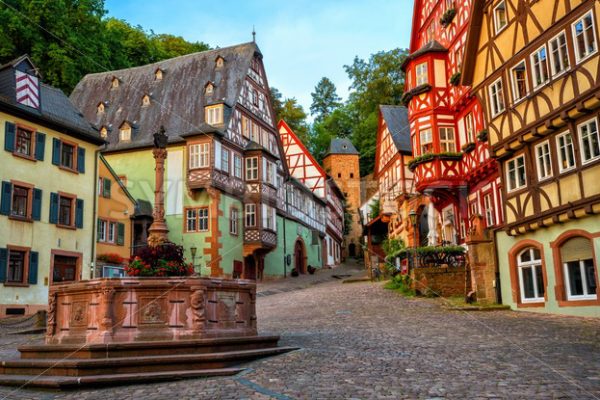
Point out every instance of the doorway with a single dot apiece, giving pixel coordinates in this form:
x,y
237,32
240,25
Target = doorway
x,y
352,250
250,267
423,228
300,257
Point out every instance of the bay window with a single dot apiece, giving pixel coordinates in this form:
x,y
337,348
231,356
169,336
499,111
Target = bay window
x,y
447,140
251,168
199,155
426,141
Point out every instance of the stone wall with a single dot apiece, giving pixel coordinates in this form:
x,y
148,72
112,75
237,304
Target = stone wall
x,y
439,281
483,271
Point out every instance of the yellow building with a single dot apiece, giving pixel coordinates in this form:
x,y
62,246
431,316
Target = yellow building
x,y
534,67
115,210
47,190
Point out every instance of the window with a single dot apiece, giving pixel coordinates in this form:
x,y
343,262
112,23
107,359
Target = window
x,y
196,219
470,127
426,141
515,173
100,108
579,270
531,277
566,153
64,268
233,221
115,83
252,168
246,126
209,88
544,160
421,72
539,65
237,166
497,97
589,140
584,37
250,215
254,95
255,132
447,139
17,261
112,227
351,175
500,18
102,224
20,202
519,81
214,115
24,142
269,175
559,55
67,156
65,210
225,160
269,217
220,62
199,155
488,208
125,132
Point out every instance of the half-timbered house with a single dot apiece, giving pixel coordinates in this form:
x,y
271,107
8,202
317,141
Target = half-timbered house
x,y
534,66
225,177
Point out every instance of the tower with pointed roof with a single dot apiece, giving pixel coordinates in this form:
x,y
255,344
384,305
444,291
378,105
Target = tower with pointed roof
x,y
342,163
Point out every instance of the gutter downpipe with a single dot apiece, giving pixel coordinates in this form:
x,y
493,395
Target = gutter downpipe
x,y
95,212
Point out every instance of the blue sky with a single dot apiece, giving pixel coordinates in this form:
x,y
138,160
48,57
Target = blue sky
x,y
301,40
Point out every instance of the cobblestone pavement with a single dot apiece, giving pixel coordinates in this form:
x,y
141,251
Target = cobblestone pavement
x,y
361,341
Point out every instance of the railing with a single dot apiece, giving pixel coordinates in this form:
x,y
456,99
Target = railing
x,y
435,256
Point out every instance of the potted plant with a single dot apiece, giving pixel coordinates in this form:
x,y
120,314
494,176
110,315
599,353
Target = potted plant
x,y
483,135
448,16
164,260
468,147
311,270
455,78
294,272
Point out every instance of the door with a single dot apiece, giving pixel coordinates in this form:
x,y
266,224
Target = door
x,y
249,267
352,250
299,257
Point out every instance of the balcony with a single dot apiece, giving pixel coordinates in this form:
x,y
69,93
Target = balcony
x,y
438,171
205,178
257,238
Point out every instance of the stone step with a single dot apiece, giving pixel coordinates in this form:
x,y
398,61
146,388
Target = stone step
x,y
134,364
148,348
72,382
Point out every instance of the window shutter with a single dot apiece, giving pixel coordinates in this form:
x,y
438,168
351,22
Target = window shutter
x,y
264,169
106,188
217,155
36,212
81,160
98,230
79,213
265,215
3,262
120,234
53,215
9,136
33,268
55,151
6,198
576,249
40,146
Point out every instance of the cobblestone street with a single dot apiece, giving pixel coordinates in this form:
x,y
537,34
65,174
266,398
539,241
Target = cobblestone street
x,y
361,341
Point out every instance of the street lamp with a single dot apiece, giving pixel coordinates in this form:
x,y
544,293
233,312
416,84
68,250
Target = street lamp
x,y
412,215
193,250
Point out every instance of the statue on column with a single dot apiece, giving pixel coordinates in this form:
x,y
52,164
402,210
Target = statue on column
x,y
158,230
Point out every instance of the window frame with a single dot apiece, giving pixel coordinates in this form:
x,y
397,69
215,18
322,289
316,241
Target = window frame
x,y
488,212
546,159
572,152
578,58
584,283
32,141
25,269
77,256
536,68
447,141
28,201
213,115
470,133
252,169
430,142
533,264
497,27
199,155
518,186
238,168
225,157
565,68
250,215
514,82
125,129
588,140
199,217
74,157
234,221
72,199
422,71
498,96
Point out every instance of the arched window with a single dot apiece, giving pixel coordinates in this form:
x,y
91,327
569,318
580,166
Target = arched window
x,y
531,277
579,269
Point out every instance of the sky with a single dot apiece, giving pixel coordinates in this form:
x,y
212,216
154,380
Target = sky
x,y
301,40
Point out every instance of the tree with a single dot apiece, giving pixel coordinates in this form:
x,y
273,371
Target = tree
x,y
324,99
276,102
293,114
339,123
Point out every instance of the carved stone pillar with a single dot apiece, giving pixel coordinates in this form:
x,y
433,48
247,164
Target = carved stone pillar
x,y
197,300
106,323
51,323
158,230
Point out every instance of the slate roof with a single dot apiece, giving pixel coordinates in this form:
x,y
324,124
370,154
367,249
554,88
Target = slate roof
x,y
341,146
177,101
396,119
55,107
432,46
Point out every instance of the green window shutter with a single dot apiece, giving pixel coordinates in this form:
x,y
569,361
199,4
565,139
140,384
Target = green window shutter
x,y
33,268
55,151
36,212
53,215
98,230
120,234
81,160
9,136
3,262
40,146
79,213
106,187
5,198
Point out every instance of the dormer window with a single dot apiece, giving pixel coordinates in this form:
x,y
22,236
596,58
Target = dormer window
x,y
209,88
219,62
100,108
145,101
214,114
125,132
115,83
103,132
158,74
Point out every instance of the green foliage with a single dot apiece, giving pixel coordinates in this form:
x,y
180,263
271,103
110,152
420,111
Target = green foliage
x,y
447,17
293,114
452,250
447,155
401,284
455,78
347,218
392,247
68,39
374,209
324,99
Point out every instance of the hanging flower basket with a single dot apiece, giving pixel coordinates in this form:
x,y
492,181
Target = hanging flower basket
x,y
447,17
455,79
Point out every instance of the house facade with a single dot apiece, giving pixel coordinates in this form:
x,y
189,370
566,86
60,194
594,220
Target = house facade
x,y
225,177
47,190
535,72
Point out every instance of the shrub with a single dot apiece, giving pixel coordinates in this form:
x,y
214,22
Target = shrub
x,y
401,284
164,260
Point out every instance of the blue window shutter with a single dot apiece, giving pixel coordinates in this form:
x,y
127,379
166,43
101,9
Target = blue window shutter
x,y
81,160
3,262
9,136
53,215
33,268
79,213
55,151
40,146
36,212
6,198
